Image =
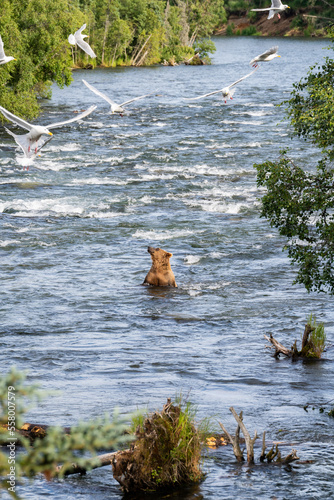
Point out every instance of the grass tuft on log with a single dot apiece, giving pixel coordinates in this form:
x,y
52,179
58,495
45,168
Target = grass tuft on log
x,y
316,342
313,342
166,453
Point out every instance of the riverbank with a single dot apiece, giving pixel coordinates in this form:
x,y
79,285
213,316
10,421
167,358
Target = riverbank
x,y
286,26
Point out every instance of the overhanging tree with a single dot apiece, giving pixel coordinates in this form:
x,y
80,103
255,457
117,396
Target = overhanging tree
x,y
35,33
299,202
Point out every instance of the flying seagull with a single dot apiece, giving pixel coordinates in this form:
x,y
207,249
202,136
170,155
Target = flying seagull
x,y
33,141
78,39
3,58
275,8
115,108
227,92
268,55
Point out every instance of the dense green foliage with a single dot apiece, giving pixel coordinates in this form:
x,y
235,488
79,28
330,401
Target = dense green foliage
x,y
148,31
44,455
125,32
311,107
298,202
34,32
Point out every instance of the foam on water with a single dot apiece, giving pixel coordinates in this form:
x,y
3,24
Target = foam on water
x,y
191,259
97,124
164,235
252,113
70,146
241,122
9,243
217,145
102,215
53,165
115,160
152,177
98,181
44,207
24,162
218,206
160,124
260,105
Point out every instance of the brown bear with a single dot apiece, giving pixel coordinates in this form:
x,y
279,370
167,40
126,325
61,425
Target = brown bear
x,y
161,273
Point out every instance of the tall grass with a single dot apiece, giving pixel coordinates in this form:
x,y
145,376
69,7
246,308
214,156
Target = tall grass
x,y
317,339
167,450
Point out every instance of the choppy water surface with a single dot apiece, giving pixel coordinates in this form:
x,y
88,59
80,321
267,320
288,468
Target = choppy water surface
x,y
177,174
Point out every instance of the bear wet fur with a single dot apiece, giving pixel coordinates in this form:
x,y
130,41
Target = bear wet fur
x,y
161,273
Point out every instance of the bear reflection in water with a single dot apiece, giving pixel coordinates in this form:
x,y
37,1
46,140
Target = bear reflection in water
x,y
161,273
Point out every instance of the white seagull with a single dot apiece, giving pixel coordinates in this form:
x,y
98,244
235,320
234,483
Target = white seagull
x,y
33,141
78,39
115,108
268,55
275,8
3,58
227,92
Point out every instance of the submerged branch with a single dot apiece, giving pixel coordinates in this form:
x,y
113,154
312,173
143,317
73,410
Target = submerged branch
x,y
93,463
249,441
234,442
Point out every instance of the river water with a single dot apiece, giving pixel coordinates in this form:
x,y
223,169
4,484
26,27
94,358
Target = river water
x,y
176,174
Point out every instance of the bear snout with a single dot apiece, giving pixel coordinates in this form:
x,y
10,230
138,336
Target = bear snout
x,y
151,250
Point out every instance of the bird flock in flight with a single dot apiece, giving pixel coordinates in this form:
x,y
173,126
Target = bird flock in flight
x,y
38,135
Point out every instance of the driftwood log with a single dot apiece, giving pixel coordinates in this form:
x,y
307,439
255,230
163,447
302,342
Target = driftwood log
x,y
95,463
274,453
30,431
293,351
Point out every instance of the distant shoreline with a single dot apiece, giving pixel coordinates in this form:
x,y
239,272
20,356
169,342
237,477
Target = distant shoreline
x,y
241,25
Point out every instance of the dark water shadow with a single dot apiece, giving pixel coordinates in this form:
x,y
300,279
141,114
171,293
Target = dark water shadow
x,y
186,493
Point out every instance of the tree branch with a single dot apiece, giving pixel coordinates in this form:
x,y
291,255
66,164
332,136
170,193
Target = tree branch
x,y
249,441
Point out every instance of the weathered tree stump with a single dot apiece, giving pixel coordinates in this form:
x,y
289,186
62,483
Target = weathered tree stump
x,y
293,352
166,453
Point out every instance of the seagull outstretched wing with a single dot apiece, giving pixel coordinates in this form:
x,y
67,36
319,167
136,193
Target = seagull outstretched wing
x,y
97,92
2,52
86,47
135,99
74,119
78,38
15,119
224,89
